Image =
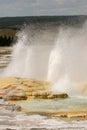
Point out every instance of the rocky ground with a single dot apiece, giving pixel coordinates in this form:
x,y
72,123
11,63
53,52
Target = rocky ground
x,y
5,56
15,90
12,119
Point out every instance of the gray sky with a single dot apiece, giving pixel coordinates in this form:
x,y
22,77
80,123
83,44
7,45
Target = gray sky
x,y
42,7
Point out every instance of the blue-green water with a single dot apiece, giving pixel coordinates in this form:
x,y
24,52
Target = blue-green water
x,y
70,104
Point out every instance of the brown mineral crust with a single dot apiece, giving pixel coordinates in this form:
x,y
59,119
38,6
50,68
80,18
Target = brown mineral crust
x,y
20,89
15,98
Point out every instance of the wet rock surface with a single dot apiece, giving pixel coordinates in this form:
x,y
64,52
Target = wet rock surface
x,y
15,89
12,88
14,120
12,107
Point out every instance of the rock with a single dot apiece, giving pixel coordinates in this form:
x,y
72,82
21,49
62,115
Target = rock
x,y
2,94
57,95
40,95
48,95
13,89
14,98
20,88
12,107
9,129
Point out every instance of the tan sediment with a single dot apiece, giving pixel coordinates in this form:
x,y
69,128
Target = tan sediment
x,y
67,114
16,88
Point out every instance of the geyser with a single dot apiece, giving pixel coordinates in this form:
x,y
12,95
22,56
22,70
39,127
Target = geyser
x,y
59,58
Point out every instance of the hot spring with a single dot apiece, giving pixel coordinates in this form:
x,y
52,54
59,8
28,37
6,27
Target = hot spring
x,y
58,55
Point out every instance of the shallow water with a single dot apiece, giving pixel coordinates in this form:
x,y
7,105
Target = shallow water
x,y
71,104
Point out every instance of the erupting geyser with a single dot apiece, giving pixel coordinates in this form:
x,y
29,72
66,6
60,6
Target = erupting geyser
x,y
59,58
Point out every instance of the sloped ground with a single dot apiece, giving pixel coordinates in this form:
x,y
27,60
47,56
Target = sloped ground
x,y
13,88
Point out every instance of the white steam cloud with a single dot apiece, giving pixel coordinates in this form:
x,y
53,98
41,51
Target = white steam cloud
x,y
63,62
